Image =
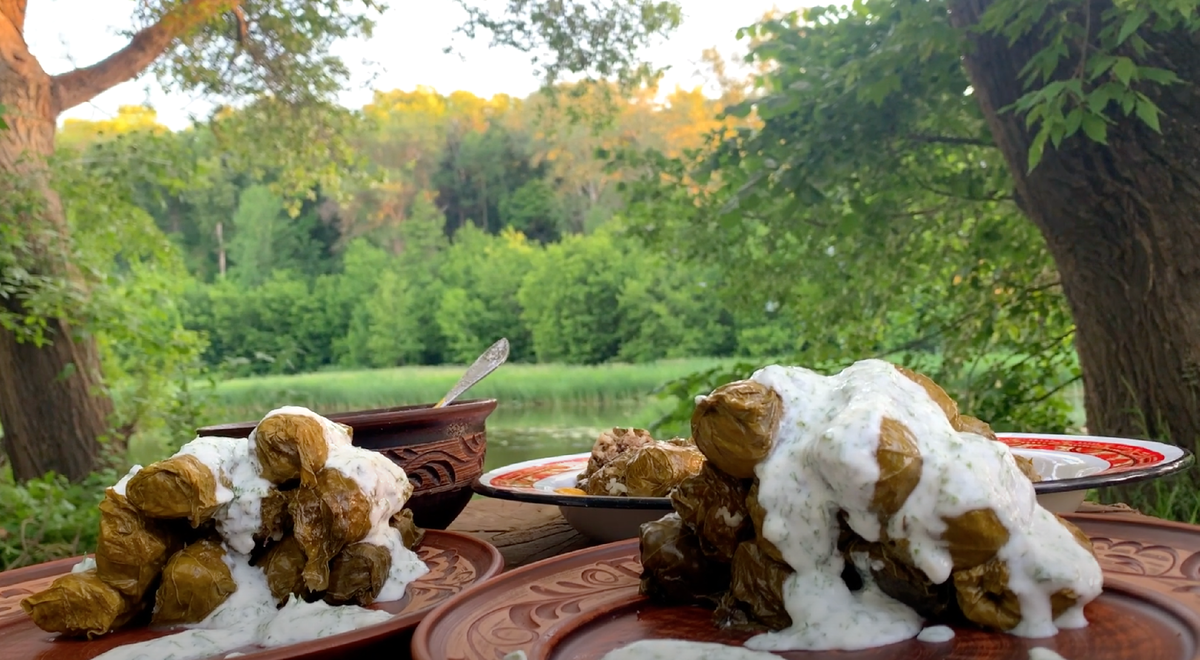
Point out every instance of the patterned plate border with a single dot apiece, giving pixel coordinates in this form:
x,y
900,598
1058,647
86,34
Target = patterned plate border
x,y
456,562
533,606
1129,460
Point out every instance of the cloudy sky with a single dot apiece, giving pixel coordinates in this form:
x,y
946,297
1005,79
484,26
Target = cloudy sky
x,y
406,51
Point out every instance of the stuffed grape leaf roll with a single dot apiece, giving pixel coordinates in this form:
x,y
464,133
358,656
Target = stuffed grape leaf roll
x,y
178,487
131,550
327,518
79,605
195,581
357,574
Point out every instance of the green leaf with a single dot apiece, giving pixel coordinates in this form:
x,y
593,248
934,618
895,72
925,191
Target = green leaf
x,y
1127,103
1132,22
1139,45
1160,76
1124,69
1147,111
1073,121
1099,98
1037,147
1098,64
1095,128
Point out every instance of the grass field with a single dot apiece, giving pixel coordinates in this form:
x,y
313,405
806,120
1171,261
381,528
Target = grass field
x,y
516,385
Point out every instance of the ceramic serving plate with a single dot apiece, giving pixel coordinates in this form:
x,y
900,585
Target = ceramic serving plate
x,y
582,605
1070,465
456,561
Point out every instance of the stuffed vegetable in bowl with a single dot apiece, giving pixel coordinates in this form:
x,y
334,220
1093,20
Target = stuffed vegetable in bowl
x,y
281,537
605,494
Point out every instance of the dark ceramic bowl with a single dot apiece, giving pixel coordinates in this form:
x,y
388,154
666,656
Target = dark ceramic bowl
x,y
441,450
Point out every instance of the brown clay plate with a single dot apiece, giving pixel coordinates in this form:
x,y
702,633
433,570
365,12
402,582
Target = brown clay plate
x,y
584,604
456,561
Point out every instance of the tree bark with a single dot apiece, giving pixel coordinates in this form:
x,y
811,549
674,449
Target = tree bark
x,y
1122,222
51,405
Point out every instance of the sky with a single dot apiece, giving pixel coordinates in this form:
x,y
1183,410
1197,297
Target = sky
x,y
405,51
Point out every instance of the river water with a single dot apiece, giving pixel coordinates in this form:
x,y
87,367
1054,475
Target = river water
x,y
521,433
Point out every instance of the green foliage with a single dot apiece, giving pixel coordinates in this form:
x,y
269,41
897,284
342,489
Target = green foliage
x,y
483,276
1094,62
258,225
869,216
534,210
666,311
135,278
49,518
276,47
570,300
598,40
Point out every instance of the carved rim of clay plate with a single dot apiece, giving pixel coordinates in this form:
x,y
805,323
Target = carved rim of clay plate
x,y
456,562
582,604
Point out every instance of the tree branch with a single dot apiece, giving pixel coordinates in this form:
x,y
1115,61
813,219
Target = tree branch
x,y
84,84
14,11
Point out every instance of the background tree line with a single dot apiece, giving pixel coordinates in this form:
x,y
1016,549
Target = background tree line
x,y
465,219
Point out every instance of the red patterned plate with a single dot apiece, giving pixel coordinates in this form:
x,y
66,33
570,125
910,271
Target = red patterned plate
x,y
456,561
581,605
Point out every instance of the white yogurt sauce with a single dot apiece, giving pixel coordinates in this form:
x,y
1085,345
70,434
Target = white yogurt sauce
x,y
299,621
241,519
86,564
249,616
676,649
823,460
936,634
119,487
335,434
406,566
1042,653
382,481
217,454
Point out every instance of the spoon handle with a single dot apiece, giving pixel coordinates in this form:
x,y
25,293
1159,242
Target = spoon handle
x,y
485,364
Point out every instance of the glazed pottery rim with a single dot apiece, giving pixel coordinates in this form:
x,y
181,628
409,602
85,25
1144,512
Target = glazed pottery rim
x,y
484,558
377,418
429,635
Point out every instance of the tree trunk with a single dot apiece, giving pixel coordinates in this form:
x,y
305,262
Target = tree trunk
x,y
52,408
1122,222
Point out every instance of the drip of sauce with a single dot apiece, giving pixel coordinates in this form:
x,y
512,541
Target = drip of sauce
x,y
120,485
1043,653
936,634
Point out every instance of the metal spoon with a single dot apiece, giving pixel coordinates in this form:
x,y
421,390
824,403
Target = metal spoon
x,y
485,364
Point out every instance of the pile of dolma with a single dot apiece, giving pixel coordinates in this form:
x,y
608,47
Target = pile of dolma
x,y
711,552
160,557
630,462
